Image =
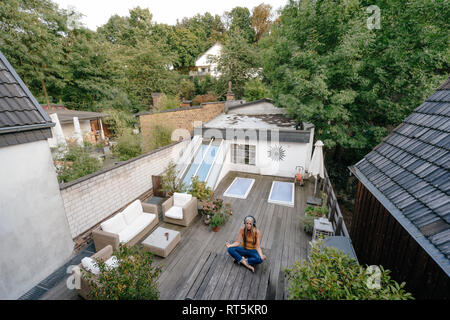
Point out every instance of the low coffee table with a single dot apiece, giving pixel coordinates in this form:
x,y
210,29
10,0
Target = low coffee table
x,y
158,244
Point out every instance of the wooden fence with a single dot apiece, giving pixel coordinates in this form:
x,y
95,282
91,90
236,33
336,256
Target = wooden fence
x,y
335,214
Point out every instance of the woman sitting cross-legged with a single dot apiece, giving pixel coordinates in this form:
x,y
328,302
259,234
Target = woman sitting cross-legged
x,y
247,249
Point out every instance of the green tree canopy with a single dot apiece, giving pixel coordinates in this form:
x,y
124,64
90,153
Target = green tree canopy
x,y
354,83
239,20
31,38
238,62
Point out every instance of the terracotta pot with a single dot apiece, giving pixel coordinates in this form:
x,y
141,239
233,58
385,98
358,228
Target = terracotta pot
x,y
216,229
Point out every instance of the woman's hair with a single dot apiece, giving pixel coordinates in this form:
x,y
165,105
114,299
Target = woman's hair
x,y
253,231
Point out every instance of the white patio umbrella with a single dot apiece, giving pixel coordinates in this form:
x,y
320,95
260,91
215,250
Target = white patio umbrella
x,y
77,131
316,165
57,130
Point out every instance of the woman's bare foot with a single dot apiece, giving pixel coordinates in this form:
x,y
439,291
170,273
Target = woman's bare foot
x,y
245,263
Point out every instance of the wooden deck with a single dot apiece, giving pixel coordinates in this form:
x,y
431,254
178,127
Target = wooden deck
x,y
200,268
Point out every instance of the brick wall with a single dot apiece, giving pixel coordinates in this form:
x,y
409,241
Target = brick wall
x,y
93,198
182,118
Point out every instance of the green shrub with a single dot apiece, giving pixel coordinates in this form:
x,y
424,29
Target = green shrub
x,y
307,223
134,279
199,99
119,121
76,163
333,275
128,146
317,211
254,89
161,135
199,190
169,181
168,102
311,213
220,217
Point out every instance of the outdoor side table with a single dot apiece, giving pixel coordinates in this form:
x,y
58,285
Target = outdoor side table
x,y
322,228
158,244
156,201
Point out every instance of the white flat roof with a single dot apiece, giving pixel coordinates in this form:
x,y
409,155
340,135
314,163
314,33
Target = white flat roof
x,y
240,121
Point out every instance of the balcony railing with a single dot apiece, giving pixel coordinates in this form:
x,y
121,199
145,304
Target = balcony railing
x,y
335,216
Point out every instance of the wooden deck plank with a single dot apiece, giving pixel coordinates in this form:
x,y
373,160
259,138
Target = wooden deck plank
x,y
231,280
222,279
219,267
208,276
184,289
201,275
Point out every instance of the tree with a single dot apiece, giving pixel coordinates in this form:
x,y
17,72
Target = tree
x,y
261,19
90,73
239,21
31,39
326,66
255,89
238,62
207,28
186,45
145,70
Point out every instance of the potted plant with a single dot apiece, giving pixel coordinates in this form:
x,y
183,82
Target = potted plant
x,y
311,213
220,216
208,209
216,221
199,190
169,181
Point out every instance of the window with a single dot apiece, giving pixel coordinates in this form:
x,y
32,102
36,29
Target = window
x,y
243,154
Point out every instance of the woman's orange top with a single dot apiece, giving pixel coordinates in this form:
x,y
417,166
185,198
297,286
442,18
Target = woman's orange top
x,y
250,243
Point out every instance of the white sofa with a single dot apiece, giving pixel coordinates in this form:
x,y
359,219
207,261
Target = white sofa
x,y
127,227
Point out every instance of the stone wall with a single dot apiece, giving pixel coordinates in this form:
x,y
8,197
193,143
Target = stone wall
x,y
95,197
182,118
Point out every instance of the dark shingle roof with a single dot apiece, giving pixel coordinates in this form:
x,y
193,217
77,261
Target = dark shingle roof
x,y
409,173
21,117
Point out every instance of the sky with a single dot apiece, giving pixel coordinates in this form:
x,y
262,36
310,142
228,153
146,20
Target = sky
x,y
97,12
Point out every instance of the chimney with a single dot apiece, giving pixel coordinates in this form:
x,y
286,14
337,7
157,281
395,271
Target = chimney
x,y
156,97
230,94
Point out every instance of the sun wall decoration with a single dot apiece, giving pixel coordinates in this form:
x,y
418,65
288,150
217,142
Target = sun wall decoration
x,y
276,153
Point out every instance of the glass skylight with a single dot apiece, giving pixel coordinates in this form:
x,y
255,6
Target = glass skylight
x,y
239,188
282,193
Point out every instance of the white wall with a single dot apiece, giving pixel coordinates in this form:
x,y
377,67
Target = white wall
x,y
203,60
296,154
34,233
91,200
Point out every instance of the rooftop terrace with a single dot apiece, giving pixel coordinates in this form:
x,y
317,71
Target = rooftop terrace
x,y
199,267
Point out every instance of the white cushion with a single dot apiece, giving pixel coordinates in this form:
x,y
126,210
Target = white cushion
x,y
90,265
112,263
114,225
180,199
175,213
137,226
133,211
